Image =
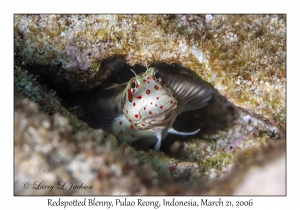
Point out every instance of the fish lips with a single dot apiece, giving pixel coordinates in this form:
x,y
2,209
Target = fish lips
x,y
160,119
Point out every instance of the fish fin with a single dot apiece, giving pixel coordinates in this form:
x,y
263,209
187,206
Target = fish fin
x,y
102,120
158,143
115,103
115,85
191,93
103,107
173,131
108,101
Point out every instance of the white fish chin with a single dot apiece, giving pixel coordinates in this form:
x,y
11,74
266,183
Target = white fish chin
x,y
162,117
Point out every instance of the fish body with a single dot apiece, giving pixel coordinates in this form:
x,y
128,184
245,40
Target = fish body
x,y
150,103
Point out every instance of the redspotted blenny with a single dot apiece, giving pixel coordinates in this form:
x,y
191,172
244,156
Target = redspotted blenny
x,y
148,106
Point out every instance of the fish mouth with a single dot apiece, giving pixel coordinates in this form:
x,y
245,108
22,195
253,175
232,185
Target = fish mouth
x,y
165,115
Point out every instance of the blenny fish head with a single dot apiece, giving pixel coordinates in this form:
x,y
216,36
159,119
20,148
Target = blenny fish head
x,y
148,102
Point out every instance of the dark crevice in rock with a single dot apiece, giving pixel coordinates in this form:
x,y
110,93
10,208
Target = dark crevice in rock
x,y
219,114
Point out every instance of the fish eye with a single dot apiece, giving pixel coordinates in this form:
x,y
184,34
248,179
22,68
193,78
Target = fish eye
x,y
133,84
156,75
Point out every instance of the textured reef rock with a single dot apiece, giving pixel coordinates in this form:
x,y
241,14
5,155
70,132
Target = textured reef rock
x,y
242,137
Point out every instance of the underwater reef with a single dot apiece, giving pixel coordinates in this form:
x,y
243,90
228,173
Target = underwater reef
x,y
240,149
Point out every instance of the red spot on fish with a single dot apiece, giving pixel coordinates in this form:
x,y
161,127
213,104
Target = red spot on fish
x,y
131,127
150,112
144,108
144,80
151,103
132,135
143,124
156,87
148,91
157,98
139,97
171,102
134,104
137,85
148,82
133,91
155,104
172,168
130,120
127,111
120,122
161,107
136,116
148,77
129,95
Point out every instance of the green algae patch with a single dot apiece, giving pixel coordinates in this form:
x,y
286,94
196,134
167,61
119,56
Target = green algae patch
x,y
220,159
110,140
159,161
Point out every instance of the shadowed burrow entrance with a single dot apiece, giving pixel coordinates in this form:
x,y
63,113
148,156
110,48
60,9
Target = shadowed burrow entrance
x,y
218,116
